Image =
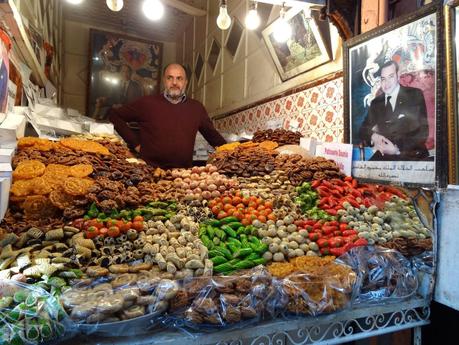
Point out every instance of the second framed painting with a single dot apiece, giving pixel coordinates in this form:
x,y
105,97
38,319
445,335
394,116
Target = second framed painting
x,y
303,51
393,100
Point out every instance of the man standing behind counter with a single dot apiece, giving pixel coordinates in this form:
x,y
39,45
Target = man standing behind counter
x,y
168,123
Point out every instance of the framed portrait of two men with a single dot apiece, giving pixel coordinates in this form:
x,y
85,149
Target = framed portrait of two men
x,y
393,84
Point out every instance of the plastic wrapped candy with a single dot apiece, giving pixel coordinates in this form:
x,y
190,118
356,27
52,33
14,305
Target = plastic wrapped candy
x,y
29,315
120,304
382,274
225,301
324,289
423,265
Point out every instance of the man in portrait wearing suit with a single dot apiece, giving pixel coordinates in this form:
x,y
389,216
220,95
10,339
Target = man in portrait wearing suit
x,y
131,89
396,125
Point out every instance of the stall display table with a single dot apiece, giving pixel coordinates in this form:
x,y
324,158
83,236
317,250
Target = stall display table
x,y
347,325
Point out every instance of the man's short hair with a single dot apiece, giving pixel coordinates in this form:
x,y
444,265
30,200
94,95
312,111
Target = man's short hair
x,y
185,68
388,64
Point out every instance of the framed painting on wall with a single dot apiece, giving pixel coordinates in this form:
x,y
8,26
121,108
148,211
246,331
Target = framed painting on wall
x,y
303,51
392,100
121,69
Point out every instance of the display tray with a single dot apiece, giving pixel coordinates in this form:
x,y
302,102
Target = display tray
x,y
136,326
347,325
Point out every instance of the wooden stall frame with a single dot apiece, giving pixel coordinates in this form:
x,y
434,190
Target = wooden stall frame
x,y
452,89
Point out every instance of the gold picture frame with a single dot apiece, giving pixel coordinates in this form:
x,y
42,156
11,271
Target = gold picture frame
x,y
304,51
452,80
411,45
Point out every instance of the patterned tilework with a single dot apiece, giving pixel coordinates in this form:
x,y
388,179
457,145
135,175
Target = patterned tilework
x,y
318,110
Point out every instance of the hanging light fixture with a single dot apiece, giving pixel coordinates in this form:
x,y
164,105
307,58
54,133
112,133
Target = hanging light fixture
x,y
223,19
75,2
282,30
252,20
153,9
115,5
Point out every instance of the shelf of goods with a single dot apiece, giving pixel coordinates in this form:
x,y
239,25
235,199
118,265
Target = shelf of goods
x,y
256,245
349,325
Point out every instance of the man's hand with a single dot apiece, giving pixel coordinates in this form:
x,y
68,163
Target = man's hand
x,y
384,145
137,149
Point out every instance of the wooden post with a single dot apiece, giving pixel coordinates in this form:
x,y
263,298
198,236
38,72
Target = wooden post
x,y
374,13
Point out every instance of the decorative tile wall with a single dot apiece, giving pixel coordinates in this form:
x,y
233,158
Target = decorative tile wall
x,y
318,110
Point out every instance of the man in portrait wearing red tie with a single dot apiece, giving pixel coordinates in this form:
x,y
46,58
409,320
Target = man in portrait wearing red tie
x,y
396,125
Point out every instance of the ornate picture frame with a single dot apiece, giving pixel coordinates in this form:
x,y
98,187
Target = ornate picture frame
x,y
121,69
397,139
452,67
304,51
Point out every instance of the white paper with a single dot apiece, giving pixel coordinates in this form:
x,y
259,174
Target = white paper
x,y
421,172
101,128
274,124
293,124
309,144
340,153
11,129
6,155
5,185
12,89
6,170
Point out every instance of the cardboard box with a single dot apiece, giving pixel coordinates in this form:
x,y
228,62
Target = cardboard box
x,y
49,110
11,129
5,185
6,155
57,126
6,170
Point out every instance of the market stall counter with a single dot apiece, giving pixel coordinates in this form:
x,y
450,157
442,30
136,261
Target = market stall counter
x,y
256,245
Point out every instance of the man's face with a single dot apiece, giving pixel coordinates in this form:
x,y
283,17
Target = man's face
x,y
389,79
175,81
125,72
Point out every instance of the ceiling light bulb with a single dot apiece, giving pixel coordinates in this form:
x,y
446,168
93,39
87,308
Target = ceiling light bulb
x,y
153,9
252,20
75,2
282,30
223,19
115,5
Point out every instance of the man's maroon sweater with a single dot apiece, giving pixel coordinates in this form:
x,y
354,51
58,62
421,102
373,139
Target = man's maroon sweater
x,y
167,131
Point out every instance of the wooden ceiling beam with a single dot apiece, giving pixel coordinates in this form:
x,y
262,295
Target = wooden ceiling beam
x,y
188,9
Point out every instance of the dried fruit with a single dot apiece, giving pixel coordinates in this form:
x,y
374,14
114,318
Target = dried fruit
x,y
77,186
81,170
61,199
28,169
38,206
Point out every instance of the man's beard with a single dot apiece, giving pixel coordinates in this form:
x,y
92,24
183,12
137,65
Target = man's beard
x,y
175,94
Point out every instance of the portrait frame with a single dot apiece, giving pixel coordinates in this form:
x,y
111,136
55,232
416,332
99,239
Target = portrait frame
x,y
415,42
114,57
289,64
452,79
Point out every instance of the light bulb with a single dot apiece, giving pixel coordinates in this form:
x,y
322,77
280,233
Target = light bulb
x,y
252,20
282,30
115,5
153,9
75,2
223,19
